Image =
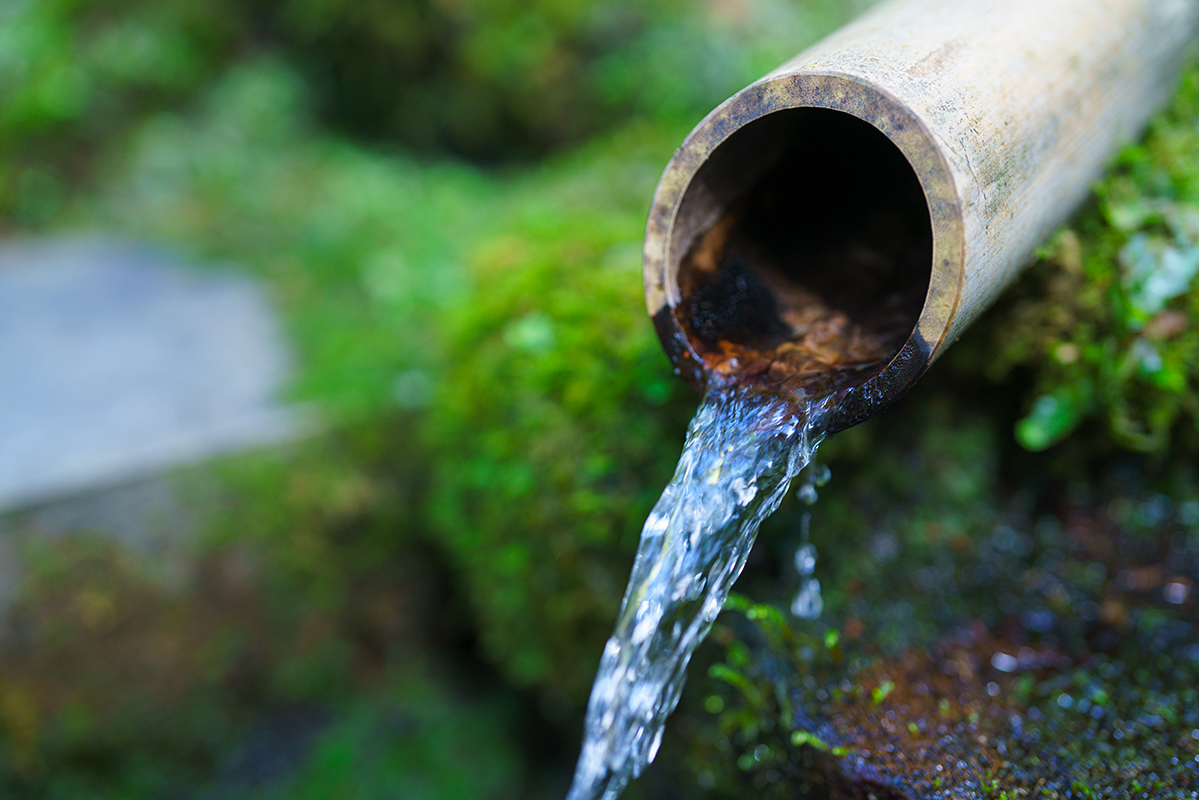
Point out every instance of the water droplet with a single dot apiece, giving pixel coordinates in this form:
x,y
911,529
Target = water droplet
x,y
1175,592
1004,662
819,474
812,478
808,603
806,559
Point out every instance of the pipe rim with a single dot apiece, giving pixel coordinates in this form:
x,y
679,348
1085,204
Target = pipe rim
x,y
915,141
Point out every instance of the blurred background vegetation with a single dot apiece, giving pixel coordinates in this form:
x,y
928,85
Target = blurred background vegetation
x,y
446,200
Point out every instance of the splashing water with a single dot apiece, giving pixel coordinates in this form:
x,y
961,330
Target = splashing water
x,y
742,450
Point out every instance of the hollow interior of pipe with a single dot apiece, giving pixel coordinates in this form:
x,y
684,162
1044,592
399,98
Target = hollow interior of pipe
x,y
807,249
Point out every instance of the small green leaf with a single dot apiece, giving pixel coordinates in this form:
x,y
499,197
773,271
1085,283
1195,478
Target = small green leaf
x,y
1054,416
1155,273
801,738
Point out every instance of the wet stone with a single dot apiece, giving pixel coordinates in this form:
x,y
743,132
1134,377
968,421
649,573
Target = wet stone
x,y
118,366
117,362
951,725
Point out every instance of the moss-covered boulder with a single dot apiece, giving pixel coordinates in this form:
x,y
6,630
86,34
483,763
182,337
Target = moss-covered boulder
x,y
556,425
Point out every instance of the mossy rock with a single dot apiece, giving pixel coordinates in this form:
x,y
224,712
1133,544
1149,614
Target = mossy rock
x,y
556,425
1000,638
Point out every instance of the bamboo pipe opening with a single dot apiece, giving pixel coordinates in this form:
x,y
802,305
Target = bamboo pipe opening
x,y
926,149
805,248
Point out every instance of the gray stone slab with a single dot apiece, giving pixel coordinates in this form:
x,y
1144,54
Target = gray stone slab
x,y
117,363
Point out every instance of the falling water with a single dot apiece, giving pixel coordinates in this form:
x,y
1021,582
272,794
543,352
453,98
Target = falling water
x,y
807,603
742,450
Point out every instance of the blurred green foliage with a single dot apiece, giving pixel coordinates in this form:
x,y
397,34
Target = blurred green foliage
x,y
412,738
311,654
497,78
487,79
75,76
473,335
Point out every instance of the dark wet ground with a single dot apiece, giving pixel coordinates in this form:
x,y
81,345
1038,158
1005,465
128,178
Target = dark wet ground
x,y
984,636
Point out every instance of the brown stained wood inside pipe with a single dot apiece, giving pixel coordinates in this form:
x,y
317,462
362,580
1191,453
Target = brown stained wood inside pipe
x,y
814,342
1001,114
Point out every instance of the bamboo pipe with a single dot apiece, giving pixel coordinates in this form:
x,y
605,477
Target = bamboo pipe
x,y
842,220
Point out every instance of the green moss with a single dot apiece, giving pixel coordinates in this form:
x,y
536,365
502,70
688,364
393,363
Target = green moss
x,y
415,737
555,426
489,80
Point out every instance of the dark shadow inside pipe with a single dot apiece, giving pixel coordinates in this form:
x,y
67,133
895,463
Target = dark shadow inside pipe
x,y
809,248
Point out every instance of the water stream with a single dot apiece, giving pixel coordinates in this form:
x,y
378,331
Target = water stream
x,y
742,450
